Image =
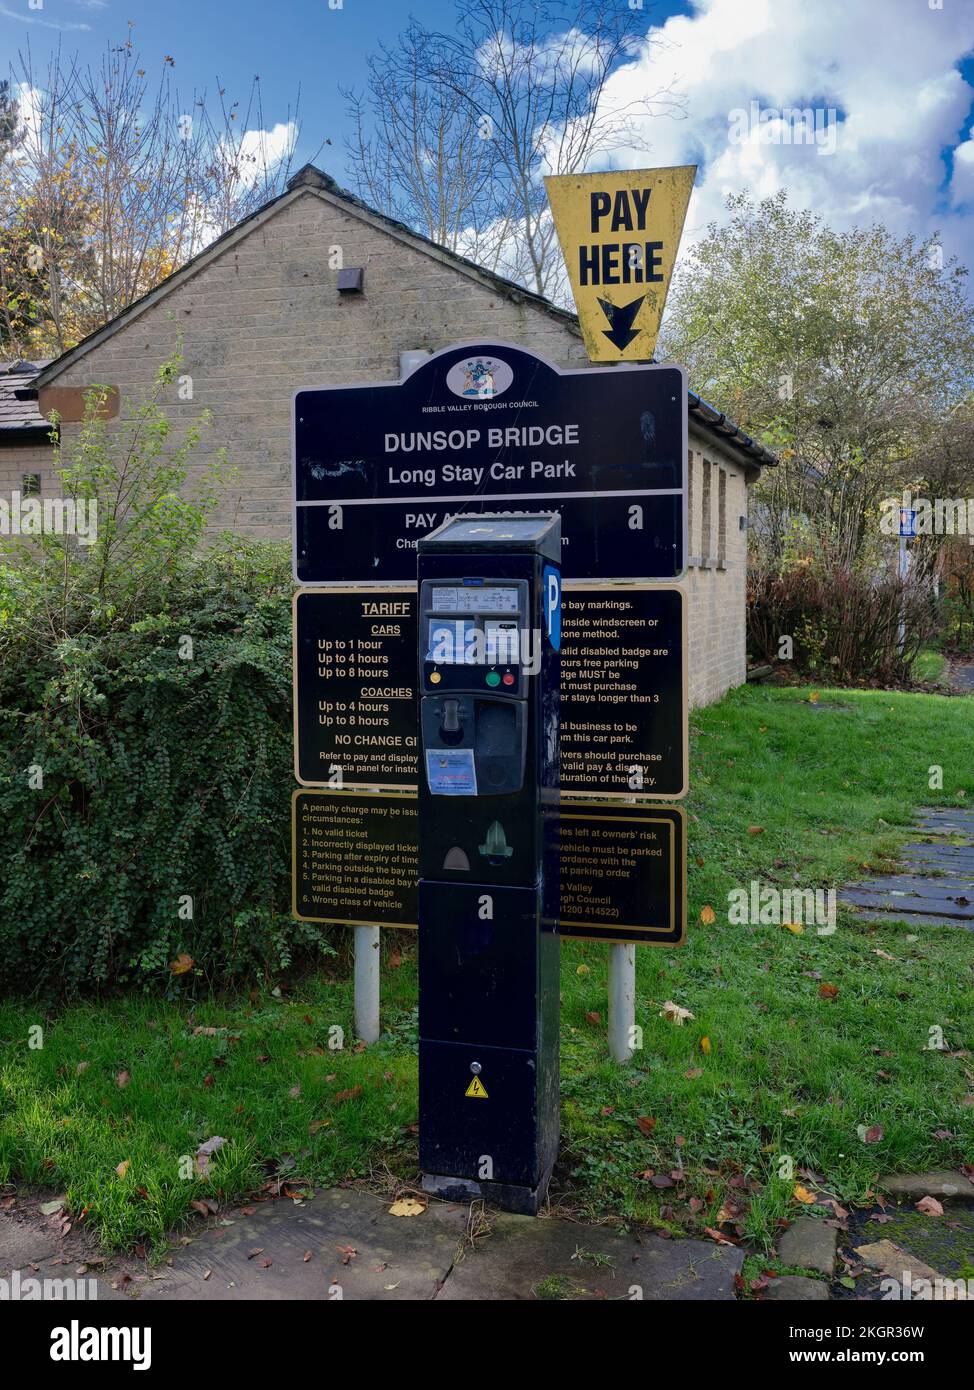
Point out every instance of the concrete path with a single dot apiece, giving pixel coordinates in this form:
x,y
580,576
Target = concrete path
x,y
935,882
962,676
346,1244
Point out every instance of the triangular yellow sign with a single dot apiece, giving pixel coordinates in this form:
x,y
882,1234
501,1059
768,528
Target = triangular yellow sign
x,y
476,1089
619,234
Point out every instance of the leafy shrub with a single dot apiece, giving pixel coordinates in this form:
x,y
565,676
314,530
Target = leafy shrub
x,y
145,742
844,625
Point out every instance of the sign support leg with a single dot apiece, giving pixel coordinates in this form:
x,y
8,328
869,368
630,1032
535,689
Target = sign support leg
x,y
368,956
622,999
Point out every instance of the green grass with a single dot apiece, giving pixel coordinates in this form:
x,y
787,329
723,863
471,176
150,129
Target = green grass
x,y
931,665
790,1076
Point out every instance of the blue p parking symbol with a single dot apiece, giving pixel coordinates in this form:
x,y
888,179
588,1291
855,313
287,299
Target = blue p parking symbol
x,y
552,605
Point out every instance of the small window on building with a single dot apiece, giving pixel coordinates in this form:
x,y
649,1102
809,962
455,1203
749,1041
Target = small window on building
x,y
722,520
706,552
689,506
30,484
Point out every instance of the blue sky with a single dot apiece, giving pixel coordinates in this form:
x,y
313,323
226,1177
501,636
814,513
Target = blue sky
x,y
897,74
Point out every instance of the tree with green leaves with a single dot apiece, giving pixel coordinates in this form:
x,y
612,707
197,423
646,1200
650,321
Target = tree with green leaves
x,y
846,352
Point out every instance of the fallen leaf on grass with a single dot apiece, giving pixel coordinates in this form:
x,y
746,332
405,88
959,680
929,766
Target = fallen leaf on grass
x,y
675,1013
407,1206
828,991
705,1046
802,1194
122,1079
123,1167
205,1152
795,927
646,1124
872,1135
755,829
593,1017
181,964
352,1093
930,1206
395,958
718,1236
707,915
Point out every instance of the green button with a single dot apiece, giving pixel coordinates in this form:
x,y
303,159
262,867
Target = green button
x,y
493,678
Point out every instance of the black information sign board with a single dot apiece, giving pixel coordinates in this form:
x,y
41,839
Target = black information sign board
x,y
624,692
490,427
354,858
623,868
355,710
623,873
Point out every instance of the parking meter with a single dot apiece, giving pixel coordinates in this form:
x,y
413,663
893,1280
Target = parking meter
x,y
489,637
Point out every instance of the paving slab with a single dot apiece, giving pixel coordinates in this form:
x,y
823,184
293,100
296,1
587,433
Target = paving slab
x,y
33,1248
913,919
796,1288
943,1183
353,1242
946,820
810,1244
526,1258
934,885
902,1263
22,1245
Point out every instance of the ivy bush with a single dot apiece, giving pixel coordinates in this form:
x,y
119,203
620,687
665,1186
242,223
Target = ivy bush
x,y
145,736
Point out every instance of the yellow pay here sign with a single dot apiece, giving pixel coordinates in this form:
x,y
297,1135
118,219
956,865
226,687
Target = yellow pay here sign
x,y
619,234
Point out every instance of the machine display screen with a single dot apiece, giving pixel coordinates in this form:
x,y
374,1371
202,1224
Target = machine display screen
x,y
474,599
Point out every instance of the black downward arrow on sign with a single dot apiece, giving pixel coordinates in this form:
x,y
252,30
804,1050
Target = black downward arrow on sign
x,y
620,331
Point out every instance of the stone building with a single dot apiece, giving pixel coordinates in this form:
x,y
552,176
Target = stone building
x,y
25,436
261,313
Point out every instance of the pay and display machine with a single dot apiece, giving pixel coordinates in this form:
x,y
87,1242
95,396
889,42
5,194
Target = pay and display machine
x,y
489,638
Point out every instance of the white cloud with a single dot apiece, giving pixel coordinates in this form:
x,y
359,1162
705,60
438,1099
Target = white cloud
x,y
890,73
962,182
260,151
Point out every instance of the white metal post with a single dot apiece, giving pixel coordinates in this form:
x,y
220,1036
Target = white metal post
x,y
622,999
368,957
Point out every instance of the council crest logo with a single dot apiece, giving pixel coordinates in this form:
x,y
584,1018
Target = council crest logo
x,y
479,378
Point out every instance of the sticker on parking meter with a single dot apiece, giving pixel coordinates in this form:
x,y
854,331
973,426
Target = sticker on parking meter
x,y
552,605
451,772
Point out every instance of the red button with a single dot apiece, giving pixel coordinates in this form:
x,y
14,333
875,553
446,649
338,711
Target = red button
x,y
508,678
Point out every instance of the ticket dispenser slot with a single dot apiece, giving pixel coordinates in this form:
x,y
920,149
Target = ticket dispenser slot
x,y
489,591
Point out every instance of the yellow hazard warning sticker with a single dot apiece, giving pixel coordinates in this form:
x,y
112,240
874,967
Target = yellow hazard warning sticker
x,y
476,1089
